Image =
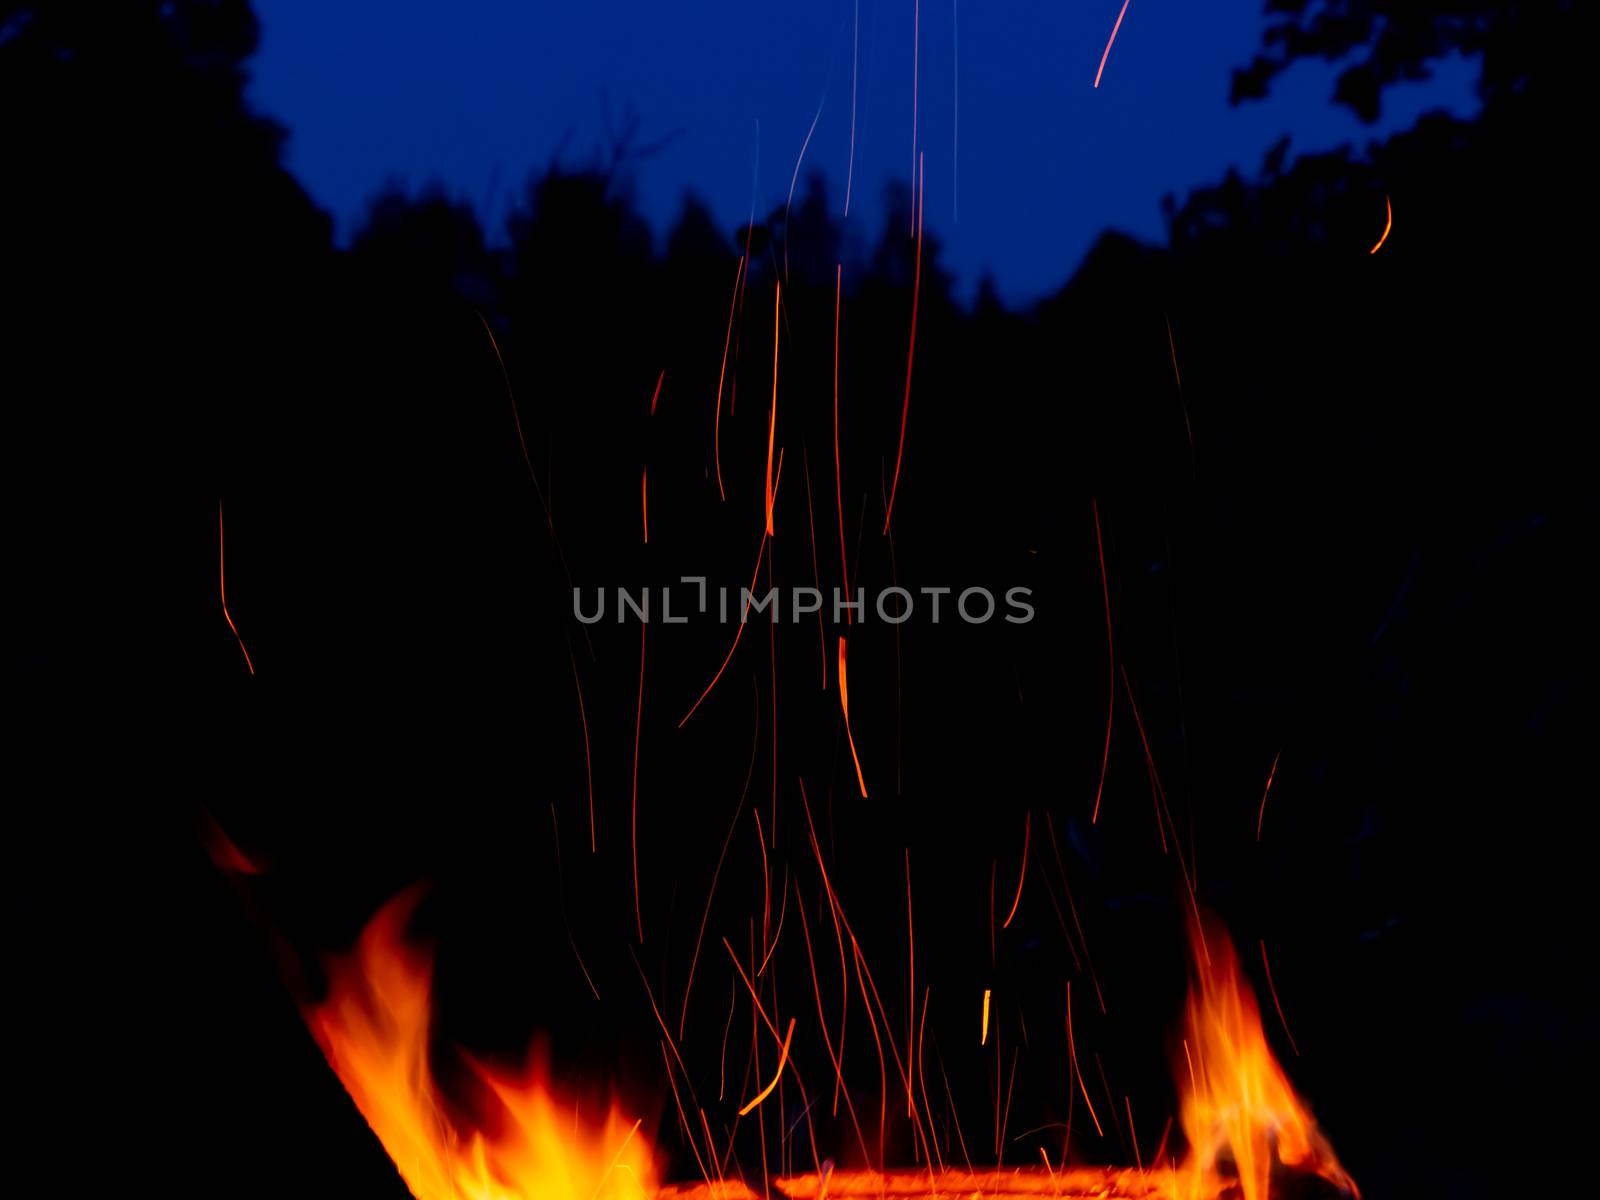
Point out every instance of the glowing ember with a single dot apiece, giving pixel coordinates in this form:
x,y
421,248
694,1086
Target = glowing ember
x,y
1077,1183
1388,224
374,1029
1239,1104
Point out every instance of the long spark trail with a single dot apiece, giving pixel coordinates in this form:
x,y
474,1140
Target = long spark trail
x,y
816,574
1388,224
1110,40
838,480
1267,967
911,350
772,418
733,307
638,725
844,707
222,591
737,633
755,741
1022,872
588,762
789,203
783,1059
1271,774
1111,663
855,74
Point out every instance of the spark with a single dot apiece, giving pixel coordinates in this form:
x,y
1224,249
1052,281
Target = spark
x,y
1005,1119
855,75
644,501
755,740
951,1099
766,880
588,763
1260,816
772,417
1161,1146
1072,1056
1072,906
911,348
783,1059
682,1116
844,707
1111,662
916,72
661,1021
816,574
759,1011
522,441
955,127
638,724
911,985
222,591
822,1020
1388,224
1132,1136
737,632
984,1039
789,203
618,1158
1158,796
656,395
783,910
838,480
1109,40
727,340
561,895
1022,873
1267,967
1177,378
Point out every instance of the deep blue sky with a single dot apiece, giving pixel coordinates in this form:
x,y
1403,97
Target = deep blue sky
x,y
476,93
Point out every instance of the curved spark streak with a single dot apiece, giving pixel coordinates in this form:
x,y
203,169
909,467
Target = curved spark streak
x,y
1267,967
1022,874
844,707
783,1061
911,350
727,340
638,725
855,75
1260,816
1111,662
789,203
588,761
1388,224
772,418
838,480
737,633
1109,40
222,591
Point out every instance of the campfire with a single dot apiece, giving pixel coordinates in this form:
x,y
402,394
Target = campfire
x,y
518,1137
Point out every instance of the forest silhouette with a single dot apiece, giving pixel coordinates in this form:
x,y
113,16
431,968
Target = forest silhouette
x,y
1346,494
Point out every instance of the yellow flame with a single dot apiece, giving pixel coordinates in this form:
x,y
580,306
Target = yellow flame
x,y
1239,1105
374,1030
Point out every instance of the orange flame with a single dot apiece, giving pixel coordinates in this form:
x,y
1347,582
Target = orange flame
x,y
1240,1105
374,1030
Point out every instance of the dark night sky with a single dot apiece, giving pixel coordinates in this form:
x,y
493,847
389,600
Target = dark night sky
x,y
476,93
